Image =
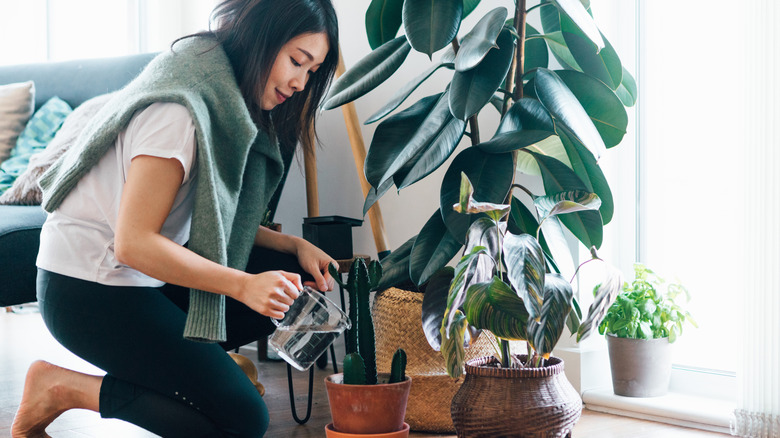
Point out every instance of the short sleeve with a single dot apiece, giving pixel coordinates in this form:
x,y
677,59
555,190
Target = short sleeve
x,y
164,130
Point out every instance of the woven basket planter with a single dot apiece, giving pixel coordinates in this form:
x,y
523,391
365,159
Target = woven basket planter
x,y
515,402
398,324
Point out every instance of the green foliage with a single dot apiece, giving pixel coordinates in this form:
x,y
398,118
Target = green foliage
x,y
398,366
556,122
643,311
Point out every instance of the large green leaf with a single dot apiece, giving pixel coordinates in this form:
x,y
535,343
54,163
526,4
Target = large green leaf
x,y
560,50
491,176
413,143
374,194
434,148
395,266
558,295
586,226
603,64
391,138
535,53
526,122
469,6
471,90
525,266
452,349
368,73
605,296
405,92
484,232
579,17
564,106
431,24
550,146
627,90
383,19
476,44
521,220
589,172
513,140
526,113
496,307
434,305
603,106
433,248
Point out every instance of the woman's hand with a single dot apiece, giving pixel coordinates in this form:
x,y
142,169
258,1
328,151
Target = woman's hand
x,y
270,293
315,261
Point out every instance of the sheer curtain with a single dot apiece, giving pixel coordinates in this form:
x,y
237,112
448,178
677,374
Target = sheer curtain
x,y
758,409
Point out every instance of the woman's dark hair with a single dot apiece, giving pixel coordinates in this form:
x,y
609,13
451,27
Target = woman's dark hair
x,y
252,32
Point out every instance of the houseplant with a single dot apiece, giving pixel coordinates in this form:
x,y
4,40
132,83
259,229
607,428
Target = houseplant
x,y
361,402
640,326
555,121
503,285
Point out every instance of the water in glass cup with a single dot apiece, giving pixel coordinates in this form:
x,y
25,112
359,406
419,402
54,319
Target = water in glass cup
x,y
307,329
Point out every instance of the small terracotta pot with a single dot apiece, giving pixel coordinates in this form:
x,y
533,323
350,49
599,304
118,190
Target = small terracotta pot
x,y
332,433
367,409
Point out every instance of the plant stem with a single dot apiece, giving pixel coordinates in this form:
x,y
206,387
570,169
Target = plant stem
x,y
520,17
506,358
474,127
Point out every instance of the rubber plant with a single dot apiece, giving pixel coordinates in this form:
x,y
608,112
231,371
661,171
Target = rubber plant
x,y
558,115
360,360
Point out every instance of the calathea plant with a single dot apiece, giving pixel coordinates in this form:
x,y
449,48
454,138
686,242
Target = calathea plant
x,y
360,359
504,285
558,116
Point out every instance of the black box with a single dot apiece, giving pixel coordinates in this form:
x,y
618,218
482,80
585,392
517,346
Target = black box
x,y
332,234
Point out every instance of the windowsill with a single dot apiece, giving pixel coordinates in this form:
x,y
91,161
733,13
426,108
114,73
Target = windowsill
x,y
673,408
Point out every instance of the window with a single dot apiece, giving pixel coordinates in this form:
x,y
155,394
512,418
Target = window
x,y
57,30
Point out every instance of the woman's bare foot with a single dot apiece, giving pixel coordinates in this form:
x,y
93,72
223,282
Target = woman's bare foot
x,y
49,391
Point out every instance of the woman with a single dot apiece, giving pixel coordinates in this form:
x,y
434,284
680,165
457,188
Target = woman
x,y
189,152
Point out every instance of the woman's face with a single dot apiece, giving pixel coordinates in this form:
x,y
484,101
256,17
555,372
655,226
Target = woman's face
x,y
296,61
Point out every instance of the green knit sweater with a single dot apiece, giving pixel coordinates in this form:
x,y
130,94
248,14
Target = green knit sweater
x,y
238,166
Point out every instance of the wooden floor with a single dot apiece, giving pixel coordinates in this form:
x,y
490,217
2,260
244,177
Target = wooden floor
x,y
23,339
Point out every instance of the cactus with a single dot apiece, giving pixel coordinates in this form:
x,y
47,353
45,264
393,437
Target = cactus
x,y
360,341
354,370
398,367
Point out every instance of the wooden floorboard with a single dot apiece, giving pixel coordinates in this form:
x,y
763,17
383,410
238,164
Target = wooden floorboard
x,y
23,339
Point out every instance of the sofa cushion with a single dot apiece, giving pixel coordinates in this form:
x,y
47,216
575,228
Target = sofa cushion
x,y
40,130
20,230
26,190
16,107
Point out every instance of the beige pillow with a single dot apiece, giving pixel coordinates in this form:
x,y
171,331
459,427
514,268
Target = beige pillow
x,y
16,107
25,190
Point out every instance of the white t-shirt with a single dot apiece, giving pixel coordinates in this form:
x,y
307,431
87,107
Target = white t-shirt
x,y
77,239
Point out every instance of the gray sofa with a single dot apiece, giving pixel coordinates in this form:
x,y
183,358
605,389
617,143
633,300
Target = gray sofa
x,y
20,226
74,82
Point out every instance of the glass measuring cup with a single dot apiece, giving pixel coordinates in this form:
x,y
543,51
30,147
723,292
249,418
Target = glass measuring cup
x,y
308,328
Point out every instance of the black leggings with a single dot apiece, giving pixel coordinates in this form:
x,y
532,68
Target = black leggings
x,y
155,378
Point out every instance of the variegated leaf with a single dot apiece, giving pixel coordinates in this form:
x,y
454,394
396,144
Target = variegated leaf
x,y
524,261
566,202
467,204
605,295
555,311
452,349
496,307
457,293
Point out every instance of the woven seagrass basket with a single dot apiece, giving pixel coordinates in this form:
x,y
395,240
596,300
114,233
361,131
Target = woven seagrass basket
x,y
515,402
398,324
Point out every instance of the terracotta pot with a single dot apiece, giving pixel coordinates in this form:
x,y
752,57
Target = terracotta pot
x,y
640,367
367,409
515,402
332,433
